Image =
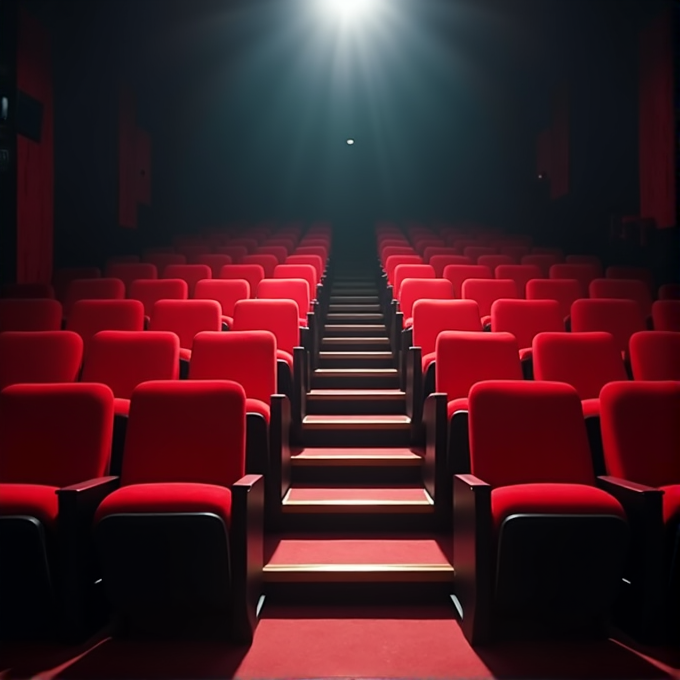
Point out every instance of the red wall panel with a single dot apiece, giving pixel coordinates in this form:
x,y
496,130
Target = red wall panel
x,y
35,160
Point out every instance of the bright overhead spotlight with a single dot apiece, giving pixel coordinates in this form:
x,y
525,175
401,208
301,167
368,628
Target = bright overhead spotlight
x,y
350,142
351,10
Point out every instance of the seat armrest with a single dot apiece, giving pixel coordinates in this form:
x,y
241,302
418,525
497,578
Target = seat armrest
x,y
77,563
473,548
413,365
435,477
646,575
85,497
279,439
247,554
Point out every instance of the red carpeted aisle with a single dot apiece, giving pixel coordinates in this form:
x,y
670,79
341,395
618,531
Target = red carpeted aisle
x,y
341,642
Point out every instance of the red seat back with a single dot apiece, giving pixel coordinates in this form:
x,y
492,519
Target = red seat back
x,y
55,434
464,358
287,289
252,273
587,361
186,318
190,431
524,432
621,318
267,262
565,291
655,355
458,273
413,290
526,318
93,289
666,315
410,271
191,273
39,357
226,291
299,271
149,291
583,273
431,317
486,291
521,274
30,315
640,433
277,316
246,357
124,359
215,261
623,289
88,317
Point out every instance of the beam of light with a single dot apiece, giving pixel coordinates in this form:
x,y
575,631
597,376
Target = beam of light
x,y
350,10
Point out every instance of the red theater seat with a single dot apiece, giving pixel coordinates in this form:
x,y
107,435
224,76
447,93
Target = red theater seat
x,y
440,262
586,361
226,291
181,539
461,360
621,318
459,273
583,273
149,291
267,262
542,261
521,274
430,318
186,318
565,291
124,359
534,539
525,319
280,317
252,273
56,440
486,291
623,289
128,272
666,315
215,261
249,358
93,289
30,315
88,317
641,440
191,273
655,355
638,273
279,252
39,357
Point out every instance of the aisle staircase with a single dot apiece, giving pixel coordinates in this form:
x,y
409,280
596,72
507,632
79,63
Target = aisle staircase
x,y
357,512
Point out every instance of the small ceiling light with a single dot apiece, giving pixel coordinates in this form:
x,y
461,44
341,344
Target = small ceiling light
x,y
350,142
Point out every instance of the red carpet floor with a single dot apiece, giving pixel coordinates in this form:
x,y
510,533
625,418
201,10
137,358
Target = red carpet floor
x,y
339,642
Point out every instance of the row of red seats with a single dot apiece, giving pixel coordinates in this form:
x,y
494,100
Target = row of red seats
x,y
177,533
538,536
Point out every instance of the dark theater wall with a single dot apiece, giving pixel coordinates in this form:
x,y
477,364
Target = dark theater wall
x,y
616,156
35,157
